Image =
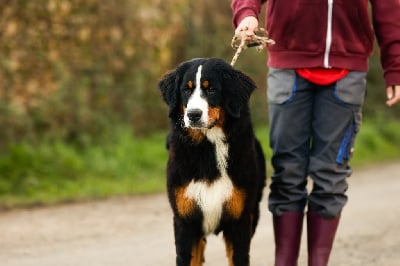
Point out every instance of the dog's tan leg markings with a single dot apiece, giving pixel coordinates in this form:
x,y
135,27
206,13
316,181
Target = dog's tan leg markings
x,y
229,251
235,204
184,204
198,252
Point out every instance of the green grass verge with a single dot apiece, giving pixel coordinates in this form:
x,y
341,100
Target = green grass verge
x,y
54,172
377,141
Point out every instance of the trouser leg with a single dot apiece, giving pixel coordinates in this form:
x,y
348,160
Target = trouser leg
x,y
336,121
290,117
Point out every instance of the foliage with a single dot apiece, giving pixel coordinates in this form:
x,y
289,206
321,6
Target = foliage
x,y
74,69
70,68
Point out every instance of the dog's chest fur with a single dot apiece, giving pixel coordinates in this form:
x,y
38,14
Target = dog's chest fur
x,y
211,197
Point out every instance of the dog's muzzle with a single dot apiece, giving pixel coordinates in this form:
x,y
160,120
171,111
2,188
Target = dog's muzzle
x,y
195,119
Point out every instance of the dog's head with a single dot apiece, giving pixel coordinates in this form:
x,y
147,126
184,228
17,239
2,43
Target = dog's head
x,y
201,92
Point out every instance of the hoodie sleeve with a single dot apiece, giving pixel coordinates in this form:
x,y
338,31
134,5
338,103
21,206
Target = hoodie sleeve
x,y
245,8
387,29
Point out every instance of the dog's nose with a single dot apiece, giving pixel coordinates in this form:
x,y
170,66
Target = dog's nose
x,y
194,114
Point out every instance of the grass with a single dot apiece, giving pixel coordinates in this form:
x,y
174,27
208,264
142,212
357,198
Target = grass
x,y
54,172
377,142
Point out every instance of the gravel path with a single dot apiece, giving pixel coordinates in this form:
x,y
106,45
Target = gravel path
x,y
138,230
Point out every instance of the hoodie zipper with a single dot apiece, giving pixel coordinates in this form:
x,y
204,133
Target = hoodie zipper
x,y
328,35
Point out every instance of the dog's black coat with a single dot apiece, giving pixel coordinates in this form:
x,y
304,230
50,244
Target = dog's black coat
x,y
193,161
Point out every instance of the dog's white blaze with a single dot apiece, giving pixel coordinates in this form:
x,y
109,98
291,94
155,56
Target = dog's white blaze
x,y
211,197
196,101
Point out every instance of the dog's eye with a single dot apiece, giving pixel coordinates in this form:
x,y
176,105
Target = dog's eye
x,y
187,90
210,90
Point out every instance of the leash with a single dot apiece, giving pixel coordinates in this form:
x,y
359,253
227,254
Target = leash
x,y
259,40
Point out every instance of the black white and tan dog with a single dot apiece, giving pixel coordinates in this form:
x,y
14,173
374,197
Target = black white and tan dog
x,y
216,168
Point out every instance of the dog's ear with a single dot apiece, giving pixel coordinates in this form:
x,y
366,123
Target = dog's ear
x,y
237,90
167,86
169,91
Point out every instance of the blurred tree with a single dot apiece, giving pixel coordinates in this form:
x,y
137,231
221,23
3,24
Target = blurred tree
x,y
74,69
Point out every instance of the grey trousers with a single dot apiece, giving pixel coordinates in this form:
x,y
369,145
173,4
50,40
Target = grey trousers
x,y
312,131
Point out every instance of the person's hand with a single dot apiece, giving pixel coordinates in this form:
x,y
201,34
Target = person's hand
x,y
393,95
246,27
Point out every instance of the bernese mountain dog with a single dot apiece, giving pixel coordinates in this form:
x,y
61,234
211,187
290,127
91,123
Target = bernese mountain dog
x,y
216,168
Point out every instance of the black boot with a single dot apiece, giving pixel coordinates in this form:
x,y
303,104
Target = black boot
x,y
321,234
287,232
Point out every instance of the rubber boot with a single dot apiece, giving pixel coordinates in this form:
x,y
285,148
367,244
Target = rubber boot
x,y
287,232
321,234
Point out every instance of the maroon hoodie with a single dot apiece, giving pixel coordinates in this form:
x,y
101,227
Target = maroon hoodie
x,y
329,33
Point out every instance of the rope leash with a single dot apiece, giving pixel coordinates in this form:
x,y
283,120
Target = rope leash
x,y
259,40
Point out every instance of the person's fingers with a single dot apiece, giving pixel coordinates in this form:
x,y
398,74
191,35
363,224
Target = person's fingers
x,y
393,95
246,27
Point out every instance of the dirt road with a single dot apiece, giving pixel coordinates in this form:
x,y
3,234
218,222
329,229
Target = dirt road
x,y
138,231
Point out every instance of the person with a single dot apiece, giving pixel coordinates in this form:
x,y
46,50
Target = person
x,y
316,88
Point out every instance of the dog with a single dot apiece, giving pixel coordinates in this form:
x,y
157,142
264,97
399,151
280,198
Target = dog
x,y
216,167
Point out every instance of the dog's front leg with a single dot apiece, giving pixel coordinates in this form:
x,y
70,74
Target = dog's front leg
x,y
237,236
189,243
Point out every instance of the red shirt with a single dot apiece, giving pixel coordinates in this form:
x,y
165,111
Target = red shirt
x,y
322,76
